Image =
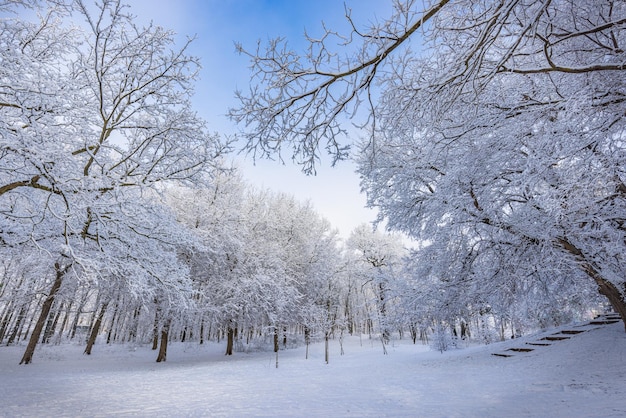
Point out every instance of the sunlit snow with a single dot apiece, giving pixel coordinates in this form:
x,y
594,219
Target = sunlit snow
x,y
581,376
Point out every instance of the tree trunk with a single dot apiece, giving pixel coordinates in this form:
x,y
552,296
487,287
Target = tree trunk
x,y
307,341
386,334
74,325
45,310
53,320
94,314
276,346
6,320
155,327
341,352
326,353
230,339
614,296
605,287
21,328
95,329
132,332
413,330
164,336
16,327
32,319
114,322
66,315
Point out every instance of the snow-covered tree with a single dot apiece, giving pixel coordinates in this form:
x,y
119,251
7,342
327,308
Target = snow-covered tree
x,y
289,254
94,118
496,135
378,259
266,262
214,215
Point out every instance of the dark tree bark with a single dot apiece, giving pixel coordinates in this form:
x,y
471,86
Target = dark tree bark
x,y
276,346
27,358
95,329
413,330
114,322
615,297
307,341
164,336
605,287
326,351
155,327
230,340
464,330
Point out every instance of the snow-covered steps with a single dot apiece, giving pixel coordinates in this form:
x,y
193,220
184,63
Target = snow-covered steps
x,y
606,319
555,337
564,334
521,350
603,321
515,350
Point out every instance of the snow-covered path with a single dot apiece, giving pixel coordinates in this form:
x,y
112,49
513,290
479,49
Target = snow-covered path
x,y
579,377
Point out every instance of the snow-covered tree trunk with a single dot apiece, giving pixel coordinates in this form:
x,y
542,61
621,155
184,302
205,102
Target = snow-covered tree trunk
x,y
60,270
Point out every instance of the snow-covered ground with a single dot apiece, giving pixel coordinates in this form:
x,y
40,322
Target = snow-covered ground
x,y
582,376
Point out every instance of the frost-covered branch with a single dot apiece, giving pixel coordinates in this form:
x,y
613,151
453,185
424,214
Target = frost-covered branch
x,y
302,101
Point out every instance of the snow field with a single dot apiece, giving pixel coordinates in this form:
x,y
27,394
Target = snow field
x,y
579,377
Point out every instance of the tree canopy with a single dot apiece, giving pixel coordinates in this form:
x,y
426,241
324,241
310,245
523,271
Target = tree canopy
x,y
495,133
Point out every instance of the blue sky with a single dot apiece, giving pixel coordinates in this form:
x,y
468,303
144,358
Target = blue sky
x,y
217,25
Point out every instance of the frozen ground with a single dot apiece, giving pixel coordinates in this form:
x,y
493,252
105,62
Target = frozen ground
x,y
582,376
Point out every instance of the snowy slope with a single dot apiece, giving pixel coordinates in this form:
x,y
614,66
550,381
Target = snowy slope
x,y
582,376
